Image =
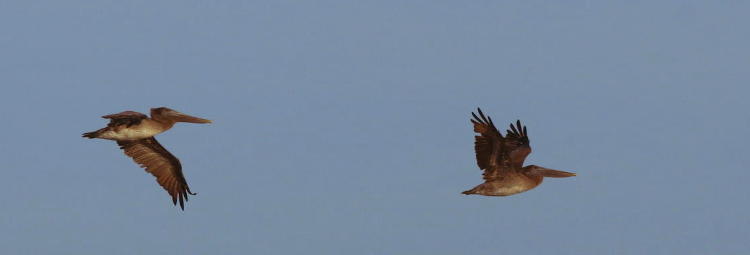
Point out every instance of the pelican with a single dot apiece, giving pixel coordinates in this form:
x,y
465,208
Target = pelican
x,y
502,158
134,133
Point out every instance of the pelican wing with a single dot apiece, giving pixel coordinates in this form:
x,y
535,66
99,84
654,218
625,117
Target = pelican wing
x,y
127,118
517,145
487,144
163,165
495,153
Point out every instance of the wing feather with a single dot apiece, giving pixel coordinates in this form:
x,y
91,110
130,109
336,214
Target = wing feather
x,y
517,145
485,144
127,118
497,154
149,154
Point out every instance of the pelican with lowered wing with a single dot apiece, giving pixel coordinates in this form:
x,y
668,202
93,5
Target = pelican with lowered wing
x,y
135,132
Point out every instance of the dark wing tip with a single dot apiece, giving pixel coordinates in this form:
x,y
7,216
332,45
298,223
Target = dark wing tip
x,y
182,203
183,197
482,118
480,113
517,128
476,119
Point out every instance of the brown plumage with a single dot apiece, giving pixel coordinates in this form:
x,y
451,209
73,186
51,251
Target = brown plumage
x,y
163,165
502,159
135,132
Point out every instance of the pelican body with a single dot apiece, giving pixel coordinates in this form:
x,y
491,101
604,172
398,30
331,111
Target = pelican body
x,y
501,158
130,125
135,132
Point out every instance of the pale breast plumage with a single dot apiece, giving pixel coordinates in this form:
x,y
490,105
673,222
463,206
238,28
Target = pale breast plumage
x,y
134,133
501,158
145,129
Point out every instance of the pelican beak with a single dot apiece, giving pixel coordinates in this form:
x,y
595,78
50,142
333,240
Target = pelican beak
x,y
181,117
546,172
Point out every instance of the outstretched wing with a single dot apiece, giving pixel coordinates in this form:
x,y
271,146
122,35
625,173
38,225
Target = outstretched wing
x,y
127,118
497,154
487,145
163,165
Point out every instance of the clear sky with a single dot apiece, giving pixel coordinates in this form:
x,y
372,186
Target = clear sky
x,y
342,127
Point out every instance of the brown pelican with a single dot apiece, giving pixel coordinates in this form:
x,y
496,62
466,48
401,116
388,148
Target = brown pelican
x,y
135,132
502,158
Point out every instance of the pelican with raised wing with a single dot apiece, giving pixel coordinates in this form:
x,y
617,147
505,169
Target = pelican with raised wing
x,y
135,132
502,158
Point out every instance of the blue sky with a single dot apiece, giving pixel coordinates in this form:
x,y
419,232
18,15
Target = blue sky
x,y
342,127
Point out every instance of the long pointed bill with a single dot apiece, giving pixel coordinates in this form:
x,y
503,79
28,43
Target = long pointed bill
x,y
546,172
181,117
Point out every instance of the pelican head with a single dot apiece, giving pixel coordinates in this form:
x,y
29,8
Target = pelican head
x,y
546,172
164,113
